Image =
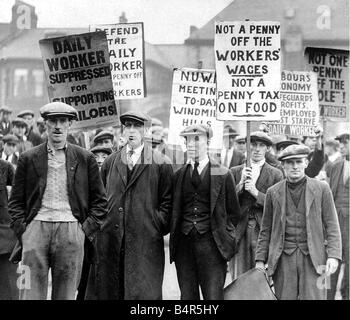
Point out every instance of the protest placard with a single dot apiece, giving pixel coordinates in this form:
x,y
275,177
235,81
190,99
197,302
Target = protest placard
x,y
299,105
248,67
193,101
332,68
78,73
126,54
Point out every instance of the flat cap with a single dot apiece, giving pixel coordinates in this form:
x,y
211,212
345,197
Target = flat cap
x,y
261,136
58,109
134,116
284,144
39,120
229,131
19,122
5,109
197,129
101,149
10,138
295,151
343,137
103,135
241,138
157,122
25,112
157,134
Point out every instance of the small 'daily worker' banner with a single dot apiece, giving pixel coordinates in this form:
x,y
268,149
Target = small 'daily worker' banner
x,y
193,101
78,73
299,105
126,54
248,67
332,68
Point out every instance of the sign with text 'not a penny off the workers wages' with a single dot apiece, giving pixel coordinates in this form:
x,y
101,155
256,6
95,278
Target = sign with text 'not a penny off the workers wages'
x,y
332,68
193,101
78,73
248,68
126,54
299,105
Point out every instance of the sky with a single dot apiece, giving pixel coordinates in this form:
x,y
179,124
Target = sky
x,y
165,21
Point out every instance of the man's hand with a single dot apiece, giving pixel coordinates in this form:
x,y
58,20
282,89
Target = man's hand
x,y
246,174
250,187
331,266
260,265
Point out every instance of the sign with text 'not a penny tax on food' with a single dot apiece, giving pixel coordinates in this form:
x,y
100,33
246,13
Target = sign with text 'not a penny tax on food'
x,y
126,54
248,68
299,105
78,73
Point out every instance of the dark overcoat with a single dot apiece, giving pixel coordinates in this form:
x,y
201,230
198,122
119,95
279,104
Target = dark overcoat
x,y
224,209
138,214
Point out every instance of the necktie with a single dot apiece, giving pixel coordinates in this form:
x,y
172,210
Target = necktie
x,y
7,157
128,159
196,180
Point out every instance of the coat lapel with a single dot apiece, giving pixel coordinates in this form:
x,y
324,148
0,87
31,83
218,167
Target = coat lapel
x,y
121,165
71,164
216,178
281,200
264,176
336,177
310,195
40,163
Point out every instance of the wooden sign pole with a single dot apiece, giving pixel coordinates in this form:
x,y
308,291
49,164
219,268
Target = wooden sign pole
x,y
248,144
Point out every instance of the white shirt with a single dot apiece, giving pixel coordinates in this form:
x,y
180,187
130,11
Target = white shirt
x,y
346,171
229,153
334,156
4,156
202,164
256,169
137,153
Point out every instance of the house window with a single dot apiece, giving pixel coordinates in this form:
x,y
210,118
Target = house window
x,y
38,83
20,83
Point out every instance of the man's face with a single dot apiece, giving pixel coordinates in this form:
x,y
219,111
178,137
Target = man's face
x,y
5,116
19,131
295,168
105,143
57,129
241,146
258,150
310,142
197,147
28,118
9,148
344,148
134,132
100,158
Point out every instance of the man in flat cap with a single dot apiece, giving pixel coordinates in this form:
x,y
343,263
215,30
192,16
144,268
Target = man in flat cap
x,y
19,127
338,174
241,145
299,236
101,153
8,152
205,213
104,139
138,181
251,185
229,156
5,123
57,205
31,133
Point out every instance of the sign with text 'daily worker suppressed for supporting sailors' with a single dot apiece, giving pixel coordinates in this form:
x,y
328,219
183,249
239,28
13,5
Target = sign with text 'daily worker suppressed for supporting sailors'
x,y
126,54
299,105
78,73
248,68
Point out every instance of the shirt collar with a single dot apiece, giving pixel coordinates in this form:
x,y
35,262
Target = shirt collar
x,y
202,163
137,150
258,164
51,149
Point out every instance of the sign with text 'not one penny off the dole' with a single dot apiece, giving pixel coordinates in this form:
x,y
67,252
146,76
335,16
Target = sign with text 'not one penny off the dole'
x,y
248,67
332,68
193,101
299,105
126,52
78,73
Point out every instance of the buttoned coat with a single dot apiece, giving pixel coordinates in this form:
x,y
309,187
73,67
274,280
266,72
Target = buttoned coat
x,y
322,226
139,212
224,209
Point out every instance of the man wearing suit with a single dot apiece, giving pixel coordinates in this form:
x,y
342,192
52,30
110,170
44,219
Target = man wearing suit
x,y
57,200
251,185
229,156
8,152
5,123
205,213
300,235
338,174
32,135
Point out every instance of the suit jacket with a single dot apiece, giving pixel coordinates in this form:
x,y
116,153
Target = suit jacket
x,y
224,209
322,226
86,194
269,176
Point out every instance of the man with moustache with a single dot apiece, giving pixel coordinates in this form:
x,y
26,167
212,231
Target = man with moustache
x,y
56,202
299,236
138,181
205,214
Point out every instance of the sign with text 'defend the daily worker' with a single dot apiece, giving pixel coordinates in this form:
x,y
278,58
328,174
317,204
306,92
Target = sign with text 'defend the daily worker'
x,y
193,101
78,73
126,53
248,67
332,68
299,105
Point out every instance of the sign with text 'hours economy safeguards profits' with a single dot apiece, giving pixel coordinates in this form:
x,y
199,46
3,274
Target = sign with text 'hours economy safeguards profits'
x,y
78,73
299,105
126,54
332,68
193,101
248,67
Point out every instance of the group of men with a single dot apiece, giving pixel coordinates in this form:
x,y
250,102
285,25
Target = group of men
x,y
105,214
